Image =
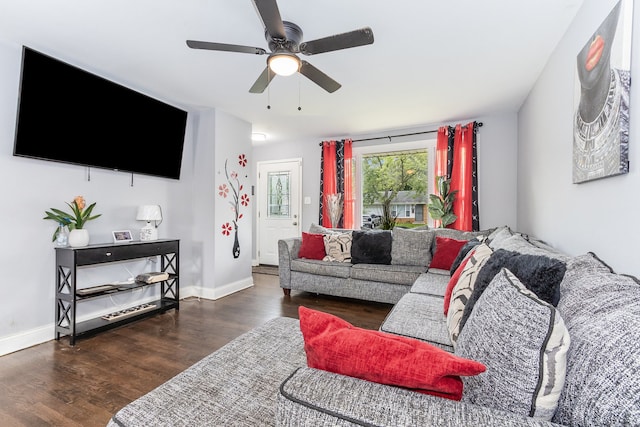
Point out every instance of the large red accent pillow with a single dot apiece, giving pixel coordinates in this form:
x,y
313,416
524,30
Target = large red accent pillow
x,y
447,250
335,345
312,246
452,283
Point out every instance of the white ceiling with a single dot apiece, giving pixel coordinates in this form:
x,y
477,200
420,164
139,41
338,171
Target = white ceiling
x,y
432,61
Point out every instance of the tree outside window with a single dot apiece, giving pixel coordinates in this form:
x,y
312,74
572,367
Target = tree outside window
x,y
384,175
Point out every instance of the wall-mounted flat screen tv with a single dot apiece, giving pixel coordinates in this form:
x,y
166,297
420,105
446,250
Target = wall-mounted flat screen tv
x,y
69,115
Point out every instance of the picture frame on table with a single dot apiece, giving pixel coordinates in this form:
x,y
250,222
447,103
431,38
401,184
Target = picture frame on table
x,y
122,236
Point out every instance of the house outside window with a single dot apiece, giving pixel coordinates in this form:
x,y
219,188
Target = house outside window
x,y
410,209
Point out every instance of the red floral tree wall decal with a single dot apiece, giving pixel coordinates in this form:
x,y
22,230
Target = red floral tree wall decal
x,y
237,198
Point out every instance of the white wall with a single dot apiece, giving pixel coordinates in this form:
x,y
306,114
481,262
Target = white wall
x,y
497,154
233,139
28,187
596,216
217,273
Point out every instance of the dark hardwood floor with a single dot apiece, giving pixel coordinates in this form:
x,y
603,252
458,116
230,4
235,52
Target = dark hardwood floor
x,y
55,384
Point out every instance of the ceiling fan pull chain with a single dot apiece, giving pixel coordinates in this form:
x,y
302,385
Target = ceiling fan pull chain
x,y
268,90
299,107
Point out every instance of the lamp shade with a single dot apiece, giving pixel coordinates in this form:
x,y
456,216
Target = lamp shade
x,y
149,213
283,64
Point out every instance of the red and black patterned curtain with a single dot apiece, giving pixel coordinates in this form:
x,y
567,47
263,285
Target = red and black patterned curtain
x,y
336,178
456,157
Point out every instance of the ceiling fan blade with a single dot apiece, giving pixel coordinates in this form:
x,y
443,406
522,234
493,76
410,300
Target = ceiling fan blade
x,y
194,44
263,81
354,38
318,77
270,16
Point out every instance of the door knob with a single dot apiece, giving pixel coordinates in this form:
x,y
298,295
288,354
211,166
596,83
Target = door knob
x,y
295,223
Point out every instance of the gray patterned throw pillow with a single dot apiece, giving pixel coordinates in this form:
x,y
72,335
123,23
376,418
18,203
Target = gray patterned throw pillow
x,y
602,312
411,247
523,342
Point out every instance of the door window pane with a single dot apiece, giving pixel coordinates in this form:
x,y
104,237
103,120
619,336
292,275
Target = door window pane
x,y
278,194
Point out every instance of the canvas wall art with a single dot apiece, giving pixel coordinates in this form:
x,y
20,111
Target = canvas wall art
x,y
603,84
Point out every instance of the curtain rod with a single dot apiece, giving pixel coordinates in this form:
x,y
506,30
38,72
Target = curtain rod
x,y
404,134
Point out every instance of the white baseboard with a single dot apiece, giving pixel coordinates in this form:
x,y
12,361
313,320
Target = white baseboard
x,y
26,339
42,334
225,290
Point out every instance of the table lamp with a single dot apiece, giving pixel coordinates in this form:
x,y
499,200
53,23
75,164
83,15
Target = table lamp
x,y
149,213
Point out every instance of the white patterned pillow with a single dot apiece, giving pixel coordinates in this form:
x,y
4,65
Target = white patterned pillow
x,y
464,288
338,247
523,341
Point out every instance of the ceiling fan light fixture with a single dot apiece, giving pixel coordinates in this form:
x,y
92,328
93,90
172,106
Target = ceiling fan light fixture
x,y
283,64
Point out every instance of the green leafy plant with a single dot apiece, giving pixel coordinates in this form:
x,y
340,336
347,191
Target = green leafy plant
x,y
441,205
387,174
74,220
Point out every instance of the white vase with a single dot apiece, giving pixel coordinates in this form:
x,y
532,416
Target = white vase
x,y
78,238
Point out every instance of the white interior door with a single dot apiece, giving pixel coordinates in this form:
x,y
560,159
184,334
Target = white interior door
x,y
279,206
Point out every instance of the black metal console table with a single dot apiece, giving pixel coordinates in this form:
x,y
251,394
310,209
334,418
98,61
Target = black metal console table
x,y
67,296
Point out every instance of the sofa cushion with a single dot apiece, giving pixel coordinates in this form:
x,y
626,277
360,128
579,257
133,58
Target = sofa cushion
x,y
439,271
371,247
523,341
411,247
430,284
539,273
236,384
464,287
498,235
397,274
312,397
518,243
602,312
419,316
333,344
446,252
338,247
315,228
321,268
312,246
458,234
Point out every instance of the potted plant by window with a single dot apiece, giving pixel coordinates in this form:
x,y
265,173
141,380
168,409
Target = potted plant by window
x,y
441,204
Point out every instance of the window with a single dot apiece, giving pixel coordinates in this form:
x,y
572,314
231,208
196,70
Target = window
x,y
383,174
278,194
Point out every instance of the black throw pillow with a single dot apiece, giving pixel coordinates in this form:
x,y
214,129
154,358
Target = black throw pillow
x,y
371,247
538,273
463,253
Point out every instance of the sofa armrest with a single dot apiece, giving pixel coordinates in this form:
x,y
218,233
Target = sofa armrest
x,y
314,397
287,250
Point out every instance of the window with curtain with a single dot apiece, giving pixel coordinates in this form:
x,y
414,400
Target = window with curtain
x,y
364,153
456,158
336,176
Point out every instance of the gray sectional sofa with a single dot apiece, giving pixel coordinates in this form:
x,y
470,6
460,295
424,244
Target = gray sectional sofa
x,y
411,252
575,363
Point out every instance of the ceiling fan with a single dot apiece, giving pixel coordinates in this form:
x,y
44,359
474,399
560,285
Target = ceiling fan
x,y
284,41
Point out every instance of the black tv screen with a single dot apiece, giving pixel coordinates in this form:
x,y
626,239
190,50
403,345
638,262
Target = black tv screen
x,y
69,115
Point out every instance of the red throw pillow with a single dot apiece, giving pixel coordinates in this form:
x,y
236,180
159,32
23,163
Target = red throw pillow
x,y
452,282
446,252
335,345
312,246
